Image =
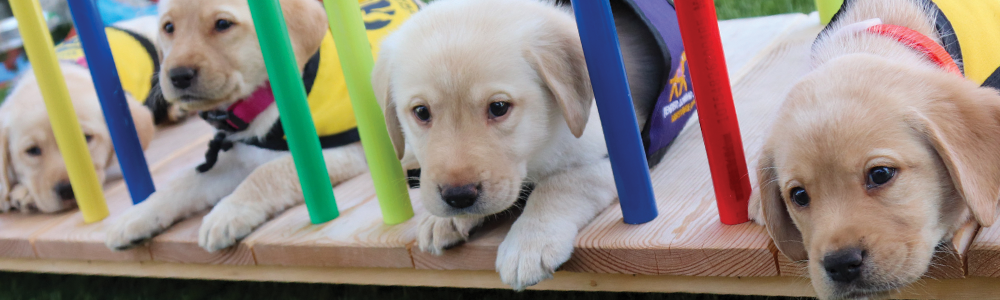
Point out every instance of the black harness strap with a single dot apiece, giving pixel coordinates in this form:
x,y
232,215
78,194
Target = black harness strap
x,y
219,143
275,139
222,120
993,81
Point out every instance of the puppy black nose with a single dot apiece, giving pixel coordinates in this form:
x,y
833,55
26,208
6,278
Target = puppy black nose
x,y
65,191
844,265
181,77
460,196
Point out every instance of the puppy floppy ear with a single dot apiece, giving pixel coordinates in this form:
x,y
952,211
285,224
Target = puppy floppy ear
x,y
380,83
779,223
307,26
963,126
558,59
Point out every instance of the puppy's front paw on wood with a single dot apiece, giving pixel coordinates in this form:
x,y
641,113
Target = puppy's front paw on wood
x,y
227,224
20,199
135,226
437,234
531,254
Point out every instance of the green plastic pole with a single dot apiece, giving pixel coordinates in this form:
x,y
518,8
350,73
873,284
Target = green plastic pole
x,y
290,95
355,52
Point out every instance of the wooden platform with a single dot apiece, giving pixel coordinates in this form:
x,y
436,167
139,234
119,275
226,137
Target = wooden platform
x,y
686,249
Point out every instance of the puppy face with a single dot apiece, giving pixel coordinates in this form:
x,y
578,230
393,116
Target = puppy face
x,y
32,165
475,94
210,53
864,174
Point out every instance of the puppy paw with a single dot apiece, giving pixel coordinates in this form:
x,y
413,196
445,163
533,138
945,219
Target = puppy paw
x,y
436,234
137,225
531,254
227,224
20,199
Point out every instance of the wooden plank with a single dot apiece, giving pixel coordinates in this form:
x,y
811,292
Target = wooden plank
x,y
480,253
16,229
72,239
180,244
967,288
984,253
608,245
743,50
688,239
358,238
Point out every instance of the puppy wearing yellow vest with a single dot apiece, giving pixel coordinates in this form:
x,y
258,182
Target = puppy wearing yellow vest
x,y
212,63
888,146
33,176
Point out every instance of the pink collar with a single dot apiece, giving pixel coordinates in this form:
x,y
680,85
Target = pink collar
x,y
242,113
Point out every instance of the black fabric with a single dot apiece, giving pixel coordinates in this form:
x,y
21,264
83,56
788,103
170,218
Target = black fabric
x,y
217,144
275,139
993,81
310,71
413,178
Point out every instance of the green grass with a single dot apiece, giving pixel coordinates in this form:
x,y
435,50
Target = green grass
x,y
51,286
734,9
66,287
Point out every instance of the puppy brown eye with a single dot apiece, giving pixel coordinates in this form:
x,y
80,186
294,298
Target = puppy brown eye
x,y
168,28
34,151
499,109
800,197
88,137
222,25
880,175
422,113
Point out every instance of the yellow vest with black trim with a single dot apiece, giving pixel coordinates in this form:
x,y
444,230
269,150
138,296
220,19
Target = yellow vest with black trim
x,y
976,40
135,59
329,101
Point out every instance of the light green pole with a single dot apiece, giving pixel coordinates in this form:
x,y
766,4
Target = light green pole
x,y
355,52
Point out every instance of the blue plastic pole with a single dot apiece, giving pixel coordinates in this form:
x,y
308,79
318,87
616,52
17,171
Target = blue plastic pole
x,y
90,28
614,101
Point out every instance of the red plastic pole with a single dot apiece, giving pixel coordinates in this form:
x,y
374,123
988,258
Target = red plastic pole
x,y
716,113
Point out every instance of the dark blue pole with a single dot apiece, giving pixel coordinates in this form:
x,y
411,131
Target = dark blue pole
x,y
90,28
614,102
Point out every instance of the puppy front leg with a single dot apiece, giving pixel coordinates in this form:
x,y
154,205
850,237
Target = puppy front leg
x,y
270,189
436,234
542,237
190,193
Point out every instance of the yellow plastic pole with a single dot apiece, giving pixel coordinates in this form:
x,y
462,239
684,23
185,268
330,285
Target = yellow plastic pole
x,y
42,55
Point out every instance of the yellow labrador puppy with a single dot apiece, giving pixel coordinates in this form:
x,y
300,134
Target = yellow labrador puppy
x,y
32,173
884,150
33,176
489,95
212,63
